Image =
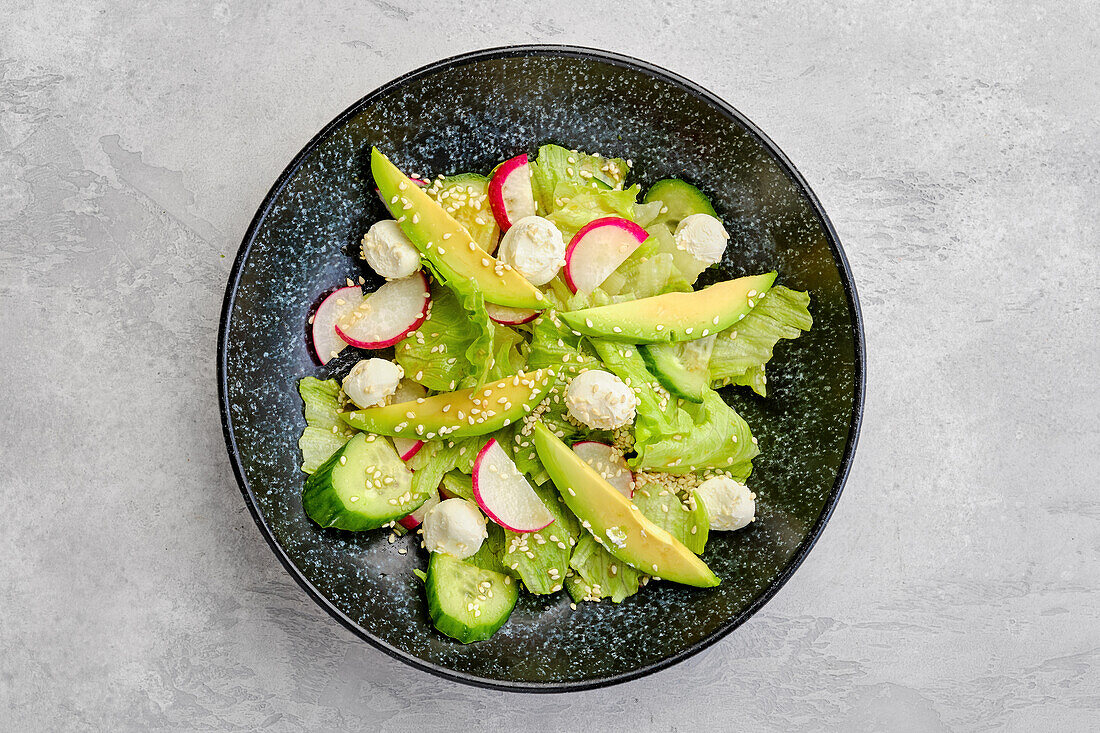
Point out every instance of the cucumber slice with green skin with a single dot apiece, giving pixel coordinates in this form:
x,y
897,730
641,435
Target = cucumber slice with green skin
x,y
349,490
680,198
466,602
465,198
681,368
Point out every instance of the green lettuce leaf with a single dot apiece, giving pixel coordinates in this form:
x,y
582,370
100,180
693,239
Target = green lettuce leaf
x,y
557,171
541,559
708,435
325,433
488,555
740,352
438,457
645,277
458,483
598,574
452,348
687,521
580,207
657,410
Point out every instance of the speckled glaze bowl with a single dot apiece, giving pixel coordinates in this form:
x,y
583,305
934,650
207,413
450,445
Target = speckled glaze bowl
x,y
466,114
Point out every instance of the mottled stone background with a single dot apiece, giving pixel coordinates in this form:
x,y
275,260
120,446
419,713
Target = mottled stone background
x,y
957,149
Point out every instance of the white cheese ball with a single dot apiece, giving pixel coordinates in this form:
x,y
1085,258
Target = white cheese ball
x,y
600,400
535,248
703,237
371,381
729,504
455,527
389,252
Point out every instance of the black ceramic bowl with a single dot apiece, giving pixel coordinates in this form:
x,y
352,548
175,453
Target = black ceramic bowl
x,y
466,114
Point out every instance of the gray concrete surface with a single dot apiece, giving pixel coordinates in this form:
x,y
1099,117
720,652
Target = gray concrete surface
x,y
957,149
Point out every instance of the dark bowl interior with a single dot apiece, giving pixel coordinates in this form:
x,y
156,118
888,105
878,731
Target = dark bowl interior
x,y
469,113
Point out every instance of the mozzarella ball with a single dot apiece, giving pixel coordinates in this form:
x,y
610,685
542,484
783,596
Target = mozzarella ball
x,y
703,237
371,381
455,527
389,252
535,248
730,505
600,400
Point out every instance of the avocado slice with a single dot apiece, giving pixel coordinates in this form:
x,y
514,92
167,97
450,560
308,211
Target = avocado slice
x,y
673,316
464,197
446,244
614,521
474,411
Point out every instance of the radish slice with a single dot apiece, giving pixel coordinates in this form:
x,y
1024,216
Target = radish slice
x,y
510,316
510,194
387,315
326,342
414,520
598,249
504,494
407,391
609,463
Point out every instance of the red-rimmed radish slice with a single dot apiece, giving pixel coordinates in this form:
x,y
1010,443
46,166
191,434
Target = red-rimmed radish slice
x,y
609,463
504,494
510,316
598,249
418,181
510,194
387,315
407,447
326,342
414,520
407,391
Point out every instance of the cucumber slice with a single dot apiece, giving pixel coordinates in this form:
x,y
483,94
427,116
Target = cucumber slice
x,y
465,198
466,602
350,489
681,368
680,199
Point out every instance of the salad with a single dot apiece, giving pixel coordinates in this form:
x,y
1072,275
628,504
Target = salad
x,y
533,389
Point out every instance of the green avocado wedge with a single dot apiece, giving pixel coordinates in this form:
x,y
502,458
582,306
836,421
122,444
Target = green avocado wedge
x,y
673,317
475,411
446,244
614,521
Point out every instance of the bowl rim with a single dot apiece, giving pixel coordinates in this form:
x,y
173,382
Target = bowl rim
x,y
728,111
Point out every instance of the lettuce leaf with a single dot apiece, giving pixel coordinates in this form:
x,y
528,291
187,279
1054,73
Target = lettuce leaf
x,y
686,521
488,555
707,435
675,436
452,348
557,171
657,411
581,206
740,352
438,457
325,433
458,483
541,559
645,277
598,574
